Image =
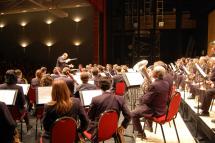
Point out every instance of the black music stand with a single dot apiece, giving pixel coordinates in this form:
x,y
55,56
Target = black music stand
x,y
204,75
133,81
25,88
87,95
43,95
8,96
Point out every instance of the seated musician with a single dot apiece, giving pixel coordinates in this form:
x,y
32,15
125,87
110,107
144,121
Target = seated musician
x,y
96,76
7,124
36,81
105,102
56,72
117,78
153,102
20,78
85,85
62,105
10,83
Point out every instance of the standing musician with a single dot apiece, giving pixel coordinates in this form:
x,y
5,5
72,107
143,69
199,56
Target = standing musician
x,y
63,60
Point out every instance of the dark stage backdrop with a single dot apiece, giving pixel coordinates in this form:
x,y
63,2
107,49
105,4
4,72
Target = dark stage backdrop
x,y
63,32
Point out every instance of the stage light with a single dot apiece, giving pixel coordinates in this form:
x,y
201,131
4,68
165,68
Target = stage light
x,y
24,44
49,43
77,19
77,43
2,25
2,13
49,21
23,23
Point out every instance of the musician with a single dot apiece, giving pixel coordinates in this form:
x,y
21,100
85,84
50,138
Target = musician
x,y
56,72
117,78
62,61
10,83
85,85
7,124
96,76
62,105
20,78
36,81
106,102
153,102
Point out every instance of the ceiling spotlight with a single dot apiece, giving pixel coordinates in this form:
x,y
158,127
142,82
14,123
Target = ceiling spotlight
x,y
2,13
49,43
23,23
24,44
2,25
77,43
49,21
77,19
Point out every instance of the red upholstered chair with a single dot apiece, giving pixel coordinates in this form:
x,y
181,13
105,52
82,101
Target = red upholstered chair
x,y
17,116
64,130
120,88
170,115
107,126
32,96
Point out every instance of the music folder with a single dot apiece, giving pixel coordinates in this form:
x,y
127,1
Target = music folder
x,y
25,88
8,96
87,95
43,94
133,79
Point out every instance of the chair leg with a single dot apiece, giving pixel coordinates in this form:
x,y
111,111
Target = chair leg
x,y
164,139
156,127
21,130
169,125
176,131
36,130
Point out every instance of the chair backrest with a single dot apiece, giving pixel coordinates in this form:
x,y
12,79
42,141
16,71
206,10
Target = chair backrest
x,y
64,130
32,94
107,126
173,106
120,88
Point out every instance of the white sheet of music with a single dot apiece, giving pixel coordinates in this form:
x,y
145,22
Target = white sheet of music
x,y
25,88
200,70
134,78
173,67
44,94
87,95
131,70
8,96
185,69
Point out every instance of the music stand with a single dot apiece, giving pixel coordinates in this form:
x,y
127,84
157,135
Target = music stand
x,y
8,96
87,95
133,81
43,95
204,75
25,88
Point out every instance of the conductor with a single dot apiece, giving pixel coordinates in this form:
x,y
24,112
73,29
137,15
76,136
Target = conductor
x,y
62,61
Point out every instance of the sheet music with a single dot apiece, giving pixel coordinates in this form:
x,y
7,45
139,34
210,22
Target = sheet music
x,y
8,96
173,67
200,70
134,79
87,95
186,71
25,88
44,94
131,70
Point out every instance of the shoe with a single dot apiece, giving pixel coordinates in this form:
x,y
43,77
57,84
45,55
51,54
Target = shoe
x,y
29,127
204,114
191,97
141,135
213,120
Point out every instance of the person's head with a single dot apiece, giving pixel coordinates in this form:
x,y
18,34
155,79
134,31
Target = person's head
x,y
46,81
84,77
66,70
65,56
160,63
158,72
118,69
43,70
10,77
57,70
61,96
18,73
38,74
104,83
95,71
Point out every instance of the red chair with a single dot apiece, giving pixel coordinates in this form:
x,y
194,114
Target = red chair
x,y
64,130
120,88
17,116
107,126
32,96
170,115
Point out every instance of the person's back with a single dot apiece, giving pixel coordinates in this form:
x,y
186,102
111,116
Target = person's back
x,y
104,102
7,124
